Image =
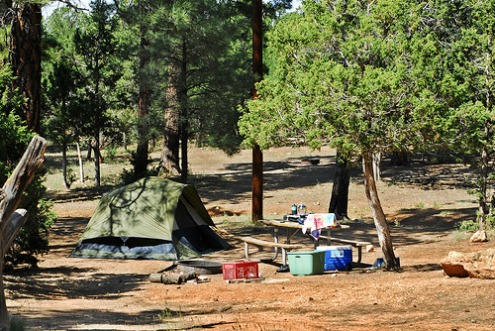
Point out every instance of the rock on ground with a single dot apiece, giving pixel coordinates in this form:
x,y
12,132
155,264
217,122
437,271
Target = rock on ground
x,y
475,265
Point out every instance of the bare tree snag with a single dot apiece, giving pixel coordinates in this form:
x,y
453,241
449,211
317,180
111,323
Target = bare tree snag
x,y
15,223
12,192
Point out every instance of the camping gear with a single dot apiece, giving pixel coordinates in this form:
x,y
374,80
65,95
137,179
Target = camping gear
x,y
306,263
240,270
152,218
337,257
302,210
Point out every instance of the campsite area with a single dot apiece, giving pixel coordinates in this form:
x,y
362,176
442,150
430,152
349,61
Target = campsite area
x,y
424,204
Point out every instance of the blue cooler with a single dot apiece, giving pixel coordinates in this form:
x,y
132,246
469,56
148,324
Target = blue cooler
x,y
337,257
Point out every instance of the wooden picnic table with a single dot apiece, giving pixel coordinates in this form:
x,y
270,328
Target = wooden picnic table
x,y
291,229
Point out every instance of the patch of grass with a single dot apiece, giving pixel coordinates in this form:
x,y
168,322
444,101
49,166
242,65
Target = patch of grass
x,y
237,221
168,313
437,206
421,205
110,170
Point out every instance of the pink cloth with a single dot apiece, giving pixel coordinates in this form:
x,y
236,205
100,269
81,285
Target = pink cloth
x,y
316,222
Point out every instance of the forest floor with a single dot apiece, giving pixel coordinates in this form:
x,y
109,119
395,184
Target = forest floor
x,y
424,205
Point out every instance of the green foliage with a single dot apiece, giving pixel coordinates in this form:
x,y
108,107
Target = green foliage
x,y
382,76
14,138
32,239
340,77
468,226
471,71
207,40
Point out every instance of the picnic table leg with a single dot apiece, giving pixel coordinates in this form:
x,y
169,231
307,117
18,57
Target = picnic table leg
x,y
360,254
275,253
284,267
275,240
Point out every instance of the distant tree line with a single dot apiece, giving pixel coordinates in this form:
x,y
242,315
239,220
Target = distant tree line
x,y
148,71
123,73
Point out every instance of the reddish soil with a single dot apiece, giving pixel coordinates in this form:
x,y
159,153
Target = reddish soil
x,y
423,204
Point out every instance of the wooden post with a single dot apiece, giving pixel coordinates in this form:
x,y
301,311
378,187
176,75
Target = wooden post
x,y
10,197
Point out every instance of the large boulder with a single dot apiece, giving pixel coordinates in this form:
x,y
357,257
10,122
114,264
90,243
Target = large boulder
x,y
476,265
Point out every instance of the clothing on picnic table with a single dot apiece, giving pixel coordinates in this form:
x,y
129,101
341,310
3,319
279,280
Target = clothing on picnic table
x,y
316,222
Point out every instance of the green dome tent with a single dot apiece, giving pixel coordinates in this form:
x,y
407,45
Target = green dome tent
x,y
152,218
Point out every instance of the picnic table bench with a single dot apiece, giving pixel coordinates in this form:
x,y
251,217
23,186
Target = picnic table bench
x,y
285,247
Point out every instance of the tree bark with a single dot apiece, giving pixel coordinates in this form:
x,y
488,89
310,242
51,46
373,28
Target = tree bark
x,y
171,138
379,218
141,157
340,190
97,157
81,164
184,114
11,195
15,223
257,177
484,206
25,51
377,159
64,164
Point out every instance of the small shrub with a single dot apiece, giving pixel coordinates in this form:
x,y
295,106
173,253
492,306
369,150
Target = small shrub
x,y
111,152
421,205
468,225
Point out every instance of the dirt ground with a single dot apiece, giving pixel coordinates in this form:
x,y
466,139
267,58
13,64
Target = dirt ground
x,y
423,204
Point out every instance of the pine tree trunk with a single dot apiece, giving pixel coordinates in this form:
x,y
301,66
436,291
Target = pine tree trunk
x,y
184,114
81,163
184,157
25,52
379,218
64,164
97,159
140,160
257,175
340,190
171,138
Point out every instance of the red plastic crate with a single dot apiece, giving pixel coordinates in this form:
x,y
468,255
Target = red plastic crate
x,y
240,270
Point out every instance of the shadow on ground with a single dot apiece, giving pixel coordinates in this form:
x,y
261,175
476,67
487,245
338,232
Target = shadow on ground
x,y
69,282
73,319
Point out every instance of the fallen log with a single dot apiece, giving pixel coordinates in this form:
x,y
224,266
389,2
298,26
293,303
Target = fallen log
x,y
166,278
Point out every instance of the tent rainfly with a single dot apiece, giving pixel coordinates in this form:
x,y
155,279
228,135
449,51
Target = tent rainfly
x,y
152,218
